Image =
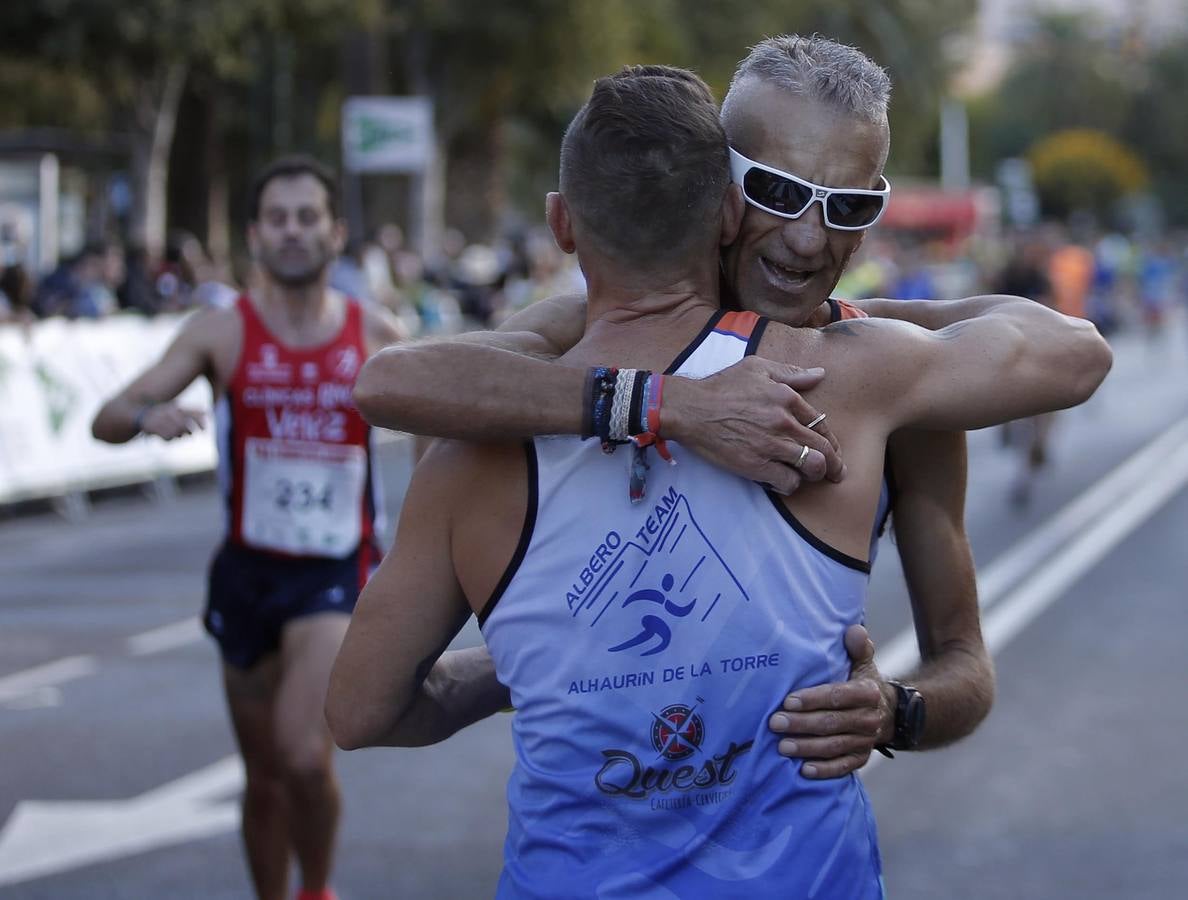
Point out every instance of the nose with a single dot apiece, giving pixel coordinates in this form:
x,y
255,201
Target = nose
x,y
807,236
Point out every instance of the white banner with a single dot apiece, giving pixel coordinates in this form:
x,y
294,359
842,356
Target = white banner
x,y
54,377
387,134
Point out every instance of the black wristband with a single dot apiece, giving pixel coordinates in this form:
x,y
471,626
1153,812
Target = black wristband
x,y
637,416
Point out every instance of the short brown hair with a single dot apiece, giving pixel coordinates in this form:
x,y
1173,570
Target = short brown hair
x,y
291,167
644,165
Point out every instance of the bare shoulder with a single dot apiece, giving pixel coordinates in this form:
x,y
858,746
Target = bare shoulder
x,y
470,472
558,320
381,327
211,328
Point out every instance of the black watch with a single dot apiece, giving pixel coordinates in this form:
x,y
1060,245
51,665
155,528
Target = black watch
x,y
909,718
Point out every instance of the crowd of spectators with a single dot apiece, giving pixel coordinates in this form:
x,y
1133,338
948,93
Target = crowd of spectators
x,y
459,287
1109,278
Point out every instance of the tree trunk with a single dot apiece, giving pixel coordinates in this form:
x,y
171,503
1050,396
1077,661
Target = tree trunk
x,y
474,196
156,120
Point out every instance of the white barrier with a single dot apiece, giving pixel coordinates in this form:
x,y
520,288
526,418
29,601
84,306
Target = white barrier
x,y
54,377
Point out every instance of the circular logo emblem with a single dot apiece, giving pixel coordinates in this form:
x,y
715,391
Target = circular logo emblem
x,y
677,731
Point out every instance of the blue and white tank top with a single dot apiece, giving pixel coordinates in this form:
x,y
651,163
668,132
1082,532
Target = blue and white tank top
x,y
645,647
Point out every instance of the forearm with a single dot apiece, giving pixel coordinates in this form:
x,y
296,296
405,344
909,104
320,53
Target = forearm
x,y
116,422
936,314
461,689
469,391
957,681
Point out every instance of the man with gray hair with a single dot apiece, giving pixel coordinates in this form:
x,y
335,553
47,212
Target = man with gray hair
x,y
806,118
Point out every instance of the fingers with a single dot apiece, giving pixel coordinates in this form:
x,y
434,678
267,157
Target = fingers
x,y
834,768
779,478
807,727
842,695
169,421
859,646
795,377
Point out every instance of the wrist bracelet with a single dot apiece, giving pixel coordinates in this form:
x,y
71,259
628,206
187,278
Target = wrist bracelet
x,y
138,421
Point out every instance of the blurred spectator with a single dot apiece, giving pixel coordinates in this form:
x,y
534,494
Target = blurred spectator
x,y
1070,271
85,286
1159,281
16,294
1025,273
346,272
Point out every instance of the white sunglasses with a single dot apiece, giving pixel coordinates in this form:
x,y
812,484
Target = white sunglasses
x,y
783,194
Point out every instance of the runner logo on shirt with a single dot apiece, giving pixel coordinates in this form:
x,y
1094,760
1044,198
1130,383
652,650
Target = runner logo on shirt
x,y
642,589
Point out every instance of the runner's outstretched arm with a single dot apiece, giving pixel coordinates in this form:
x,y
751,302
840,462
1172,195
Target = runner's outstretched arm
x,y
749,419
411,608
146,405
837,726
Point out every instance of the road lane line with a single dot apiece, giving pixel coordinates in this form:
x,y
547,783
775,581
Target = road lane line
x,y
1014,613
900,654
30,681
167,637
1138,503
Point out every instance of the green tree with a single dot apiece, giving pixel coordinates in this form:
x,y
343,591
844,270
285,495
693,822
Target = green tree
x,y
1082,170
1067,74
137,55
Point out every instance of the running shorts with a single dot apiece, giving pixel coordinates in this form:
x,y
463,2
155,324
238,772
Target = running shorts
x,y
251,596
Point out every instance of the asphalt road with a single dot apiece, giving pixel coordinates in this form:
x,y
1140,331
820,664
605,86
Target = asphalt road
x,y
117,776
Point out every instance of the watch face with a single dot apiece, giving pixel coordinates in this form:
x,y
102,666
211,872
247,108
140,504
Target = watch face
x,y
909,717
915,717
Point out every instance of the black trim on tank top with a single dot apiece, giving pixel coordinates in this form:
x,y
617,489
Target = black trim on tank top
x,y
815,542
892,491
696,342
525,536
835,311
756,335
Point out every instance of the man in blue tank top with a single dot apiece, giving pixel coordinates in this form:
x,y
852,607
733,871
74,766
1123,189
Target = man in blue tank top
x,y
642,641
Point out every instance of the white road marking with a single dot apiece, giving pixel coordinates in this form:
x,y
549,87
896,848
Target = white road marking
x,y
17,687
1074,540
1096,540
1100,503
167,637
42,838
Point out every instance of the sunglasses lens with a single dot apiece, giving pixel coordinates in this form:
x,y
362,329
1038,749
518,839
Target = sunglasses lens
x,y
776,193
854,210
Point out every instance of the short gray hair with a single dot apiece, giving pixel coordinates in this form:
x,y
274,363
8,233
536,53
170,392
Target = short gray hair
x,y
820,69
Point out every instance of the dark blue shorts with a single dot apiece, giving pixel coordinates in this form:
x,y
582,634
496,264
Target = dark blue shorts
x,y
251,596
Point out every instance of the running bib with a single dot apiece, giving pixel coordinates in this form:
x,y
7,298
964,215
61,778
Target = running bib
x,y
303,498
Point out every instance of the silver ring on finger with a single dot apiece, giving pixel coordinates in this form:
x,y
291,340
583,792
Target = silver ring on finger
x,y
804,452
815,422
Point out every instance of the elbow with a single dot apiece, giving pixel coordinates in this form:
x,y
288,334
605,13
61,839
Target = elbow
x,y
352,723
1076,360
1099,359
102,430
346,728
376,393
368,392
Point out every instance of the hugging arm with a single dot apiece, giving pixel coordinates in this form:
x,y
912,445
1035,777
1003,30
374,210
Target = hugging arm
x,y
393,683
956,672
485,386
837,726
1009,358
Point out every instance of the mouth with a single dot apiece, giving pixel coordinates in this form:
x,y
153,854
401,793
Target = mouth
x,y
786,278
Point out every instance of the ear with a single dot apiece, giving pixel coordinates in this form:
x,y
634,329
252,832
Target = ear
x,y
253,239
557,215
733,208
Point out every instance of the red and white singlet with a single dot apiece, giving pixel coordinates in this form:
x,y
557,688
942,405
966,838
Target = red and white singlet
x,y
295,461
